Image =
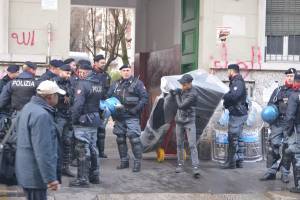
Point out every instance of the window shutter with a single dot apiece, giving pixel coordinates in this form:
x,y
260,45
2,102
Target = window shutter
x,y
283,17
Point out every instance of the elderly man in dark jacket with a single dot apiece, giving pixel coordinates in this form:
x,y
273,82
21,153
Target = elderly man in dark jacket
x,y
37,143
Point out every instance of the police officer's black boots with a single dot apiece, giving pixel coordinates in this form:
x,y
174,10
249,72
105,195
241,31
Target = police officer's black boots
x,y
136,166
137,150
94,170
239,164
286,161
101,142
240,154
66,162
82,174
296,189
272,159
268,176
232,150
123,149
229,164
230,161
285,168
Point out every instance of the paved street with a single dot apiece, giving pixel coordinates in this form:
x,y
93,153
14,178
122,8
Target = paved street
x,y
159,181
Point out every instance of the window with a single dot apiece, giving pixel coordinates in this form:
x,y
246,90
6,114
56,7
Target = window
x,y
275,44
294,45
283,30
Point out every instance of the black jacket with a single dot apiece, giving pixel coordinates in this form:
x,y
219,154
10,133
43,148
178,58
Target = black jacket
x,y
235,99
85,110
105,80
132,94
48,75
64,101
4,81
293,112
18,91
280,97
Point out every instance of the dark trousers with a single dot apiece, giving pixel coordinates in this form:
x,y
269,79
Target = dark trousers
x,y
35,194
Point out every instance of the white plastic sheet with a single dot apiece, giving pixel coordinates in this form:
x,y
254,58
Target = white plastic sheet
x,y
210,90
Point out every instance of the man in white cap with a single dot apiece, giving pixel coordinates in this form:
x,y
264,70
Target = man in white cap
x,y
37,145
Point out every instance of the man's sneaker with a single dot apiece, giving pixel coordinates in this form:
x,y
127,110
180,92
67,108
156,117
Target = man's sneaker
x,y
179,168
196,172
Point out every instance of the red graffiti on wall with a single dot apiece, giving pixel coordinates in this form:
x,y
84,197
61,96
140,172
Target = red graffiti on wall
x,y
254,62
24,38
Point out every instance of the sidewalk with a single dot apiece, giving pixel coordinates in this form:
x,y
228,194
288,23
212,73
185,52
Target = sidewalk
x,y
159,181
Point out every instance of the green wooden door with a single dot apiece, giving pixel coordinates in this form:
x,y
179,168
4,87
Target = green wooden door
x,y
189,35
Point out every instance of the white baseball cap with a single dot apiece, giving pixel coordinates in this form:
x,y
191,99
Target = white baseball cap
x,y
49,87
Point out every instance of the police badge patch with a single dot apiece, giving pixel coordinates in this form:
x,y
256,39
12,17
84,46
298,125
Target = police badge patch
x,y
78,91
235,88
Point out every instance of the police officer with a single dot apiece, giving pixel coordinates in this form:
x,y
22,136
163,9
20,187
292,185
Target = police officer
x,y
104,78
185,122
74,76
86,120
19,91
292,130
235,102
52,71
12,73
279,98
63,116
71,62
132,93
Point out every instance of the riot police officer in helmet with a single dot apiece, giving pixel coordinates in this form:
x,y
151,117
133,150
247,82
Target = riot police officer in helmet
x,y
277,138
292,131
132,93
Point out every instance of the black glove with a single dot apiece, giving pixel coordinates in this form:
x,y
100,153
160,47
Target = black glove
x,y
119,108
133,111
